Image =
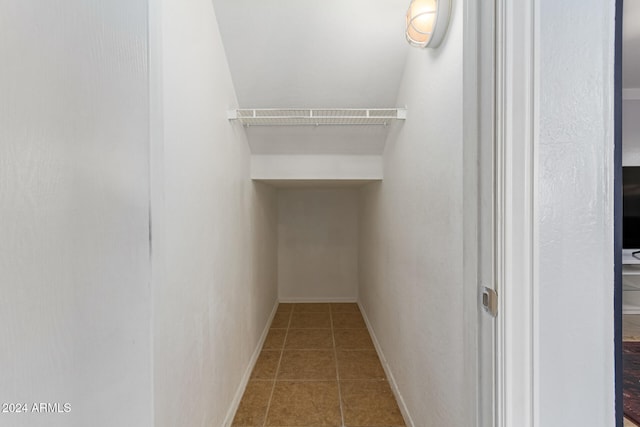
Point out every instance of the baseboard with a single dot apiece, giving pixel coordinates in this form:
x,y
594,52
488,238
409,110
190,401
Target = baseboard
x,y
247,374
630,310
320,300
392,381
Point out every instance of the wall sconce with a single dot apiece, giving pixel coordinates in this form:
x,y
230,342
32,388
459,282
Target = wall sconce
x,y
427,22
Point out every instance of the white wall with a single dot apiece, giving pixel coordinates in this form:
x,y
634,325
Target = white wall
x,y
74,212
316,167
631,132
217,229
574,219
318,244
411,238
318,140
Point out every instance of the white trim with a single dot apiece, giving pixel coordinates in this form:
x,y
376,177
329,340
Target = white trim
x,y
501,167
319,300
631,94
515,172
471,122
156,175
387,370
231,413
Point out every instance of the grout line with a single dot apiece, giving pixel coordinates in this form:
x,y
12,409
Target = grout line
x,y
335,354
273,388
310,380
275,380
321,349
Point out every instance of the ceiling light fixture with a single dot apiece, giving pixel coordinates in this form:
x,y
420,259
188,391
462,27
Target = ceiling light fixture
x,y
427,22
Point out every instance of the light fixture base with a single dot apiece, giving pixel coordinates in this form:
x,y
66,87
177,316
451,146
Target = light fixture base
x,y
427,22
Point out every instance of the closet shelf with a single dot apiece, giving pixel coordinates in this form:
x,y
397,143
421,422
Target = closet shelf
x,y
316,116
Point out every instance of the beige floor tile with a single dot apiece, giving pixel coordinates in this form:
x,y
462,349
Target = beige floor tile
x,y
369,403
284,307
253,406
307,365
310,320
311,308
307,339
347,320
275,339
281,320
305,404
359,365
341,307
266,365
353,339
629,423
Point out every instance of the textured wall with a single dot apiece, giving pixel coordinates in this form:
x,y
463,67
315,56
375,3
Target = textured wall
x,y
316,167
74,212
574,214
217,229
411,238
318,244
319,140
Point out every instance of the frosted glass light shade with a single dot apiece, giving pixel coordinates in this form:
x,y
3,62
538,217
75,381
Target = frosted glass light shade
x,y
427,22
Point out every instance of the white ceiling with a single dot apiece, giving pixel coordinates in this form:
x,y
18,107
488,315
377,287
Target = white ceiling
x,y
631,44
314,53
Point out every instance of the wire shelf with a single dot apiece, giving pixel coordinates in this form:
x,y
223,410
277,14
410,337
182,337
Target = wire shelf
x,y
317,117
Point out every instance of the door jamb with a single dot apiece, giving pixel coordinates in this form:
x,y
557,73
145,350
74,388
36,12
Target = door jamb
x,y
470,113
516,170
617,214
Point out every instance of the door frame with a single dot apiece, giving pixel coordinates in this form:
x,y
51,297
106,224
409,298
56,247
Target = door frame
x,y
515,215
617,214
514,227
516,173
514,169
473,376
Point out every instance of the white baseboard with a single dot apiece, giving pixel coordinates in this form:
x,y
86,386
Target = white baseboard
x,y
247,374
320,299
630,309
392,381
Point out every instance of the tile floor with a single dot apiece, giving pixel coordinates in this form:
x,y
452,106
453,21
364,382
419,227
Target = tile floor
x,y
318,367
630,332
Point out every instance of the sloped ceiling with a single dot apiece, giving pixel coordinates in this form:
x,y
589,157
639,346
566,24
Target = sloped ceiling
x,y
631,44
314,53
337,53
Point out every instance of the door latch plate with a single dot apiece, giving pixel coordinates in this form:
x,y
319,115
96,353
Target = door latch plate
x,y
490,301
